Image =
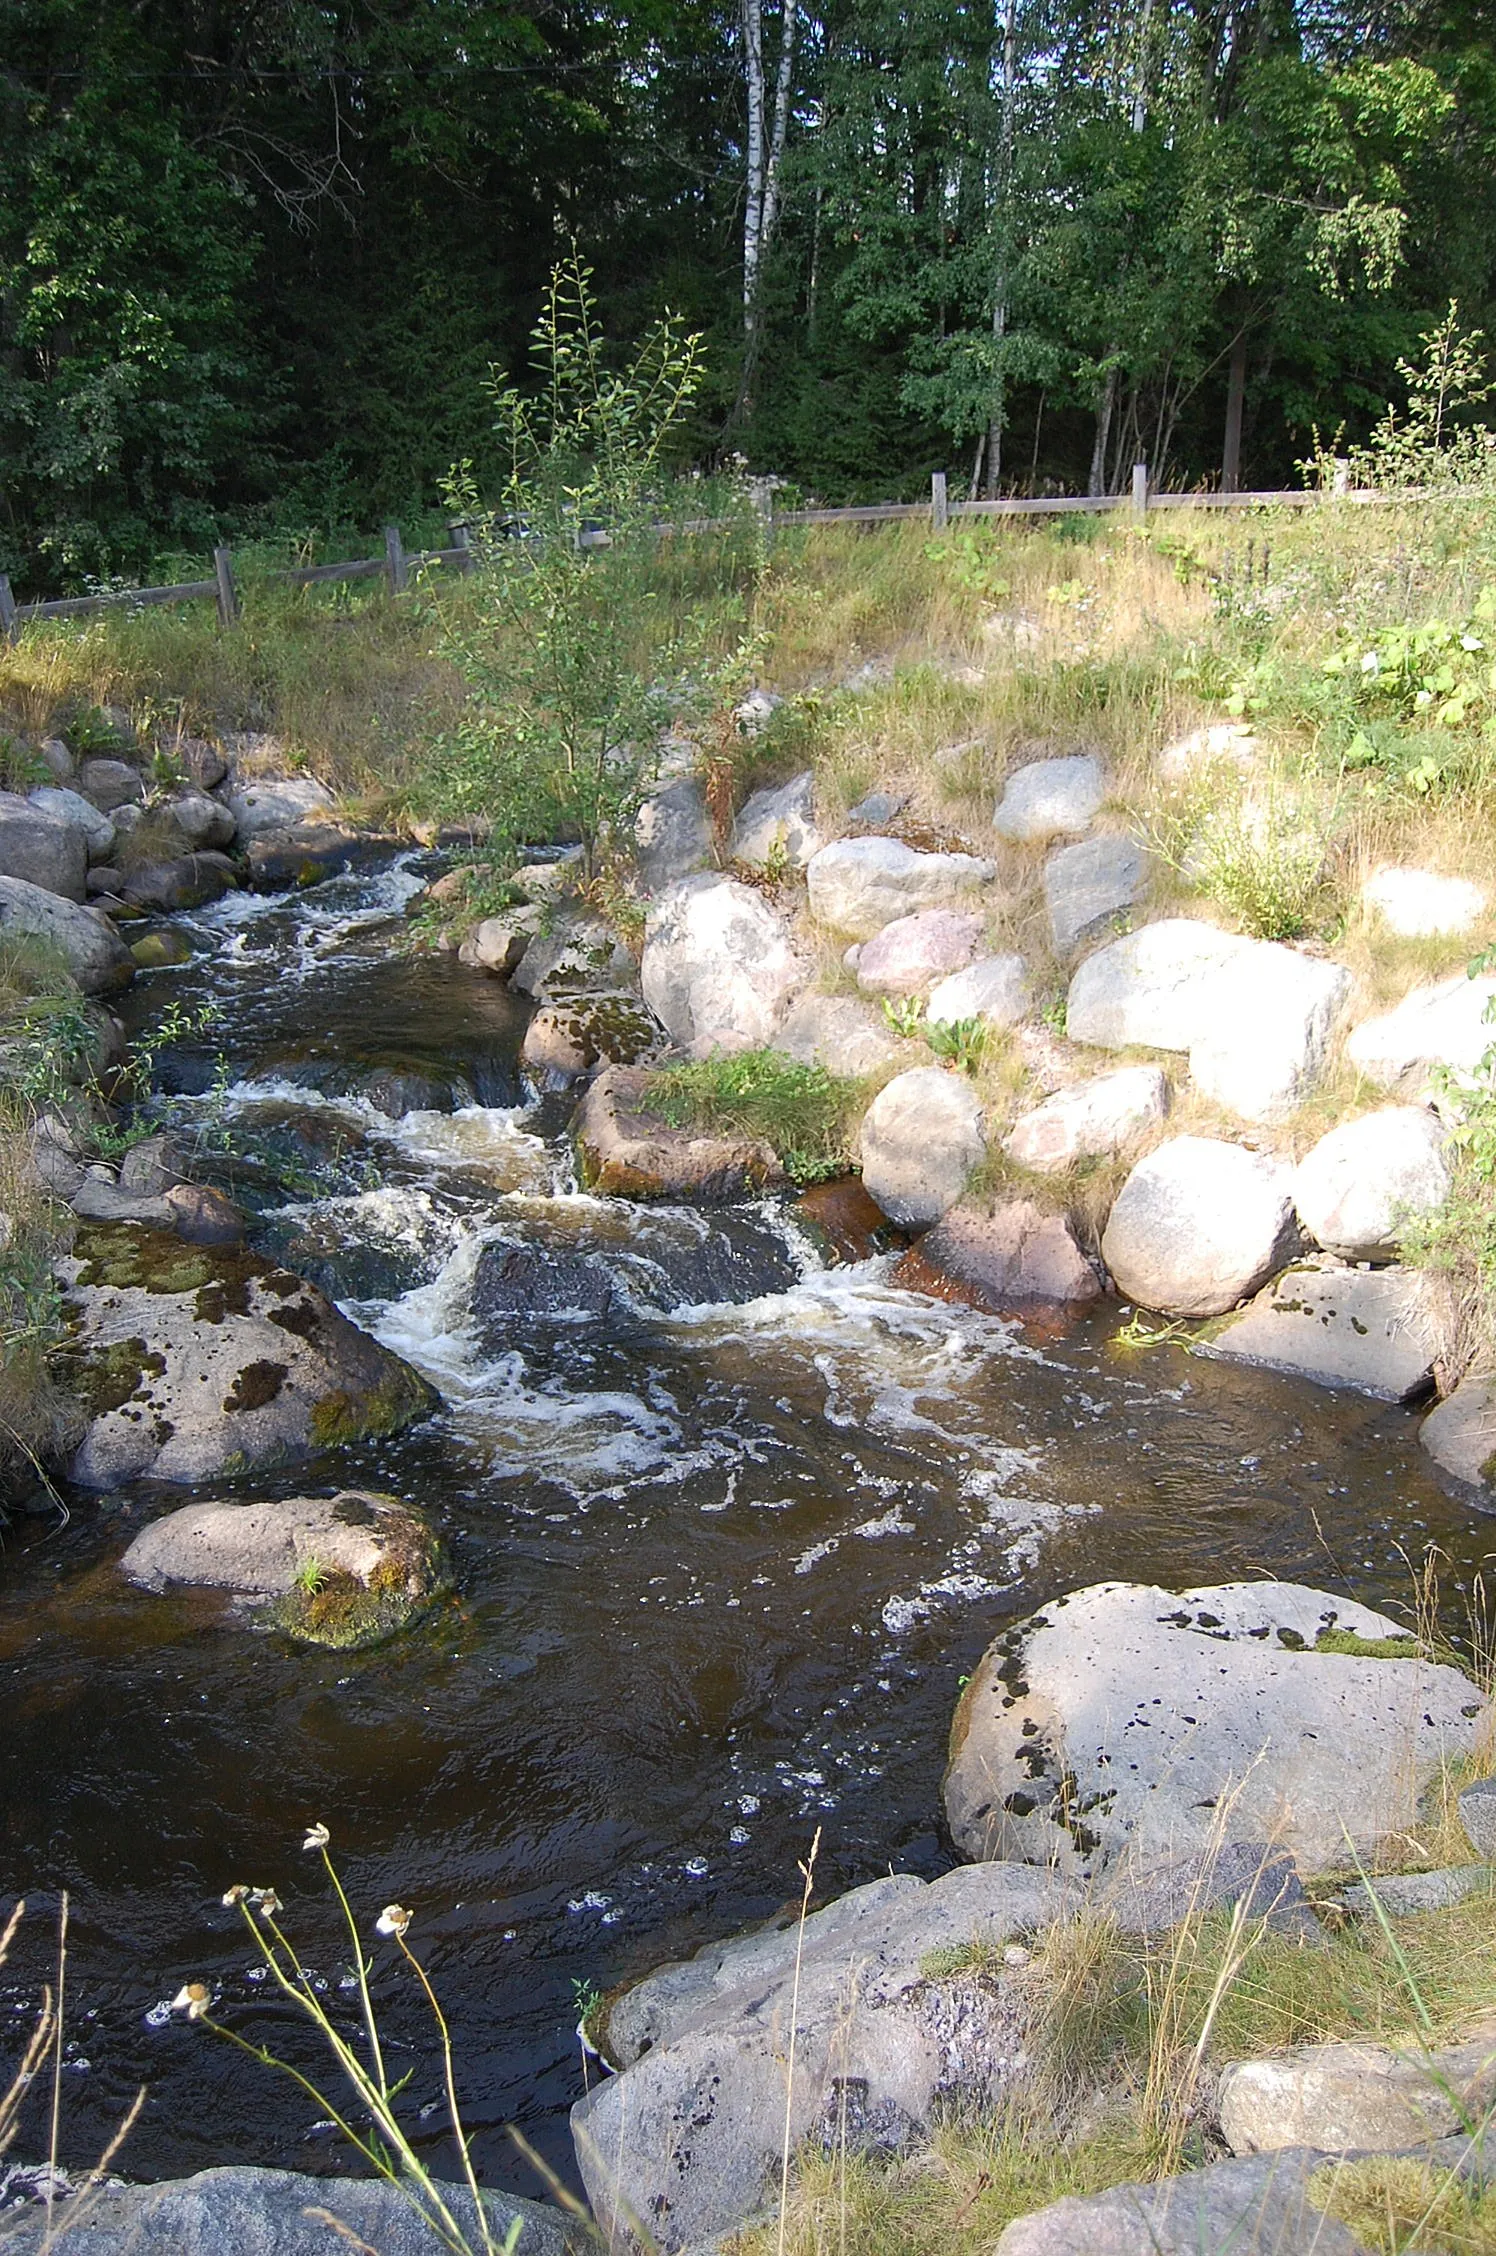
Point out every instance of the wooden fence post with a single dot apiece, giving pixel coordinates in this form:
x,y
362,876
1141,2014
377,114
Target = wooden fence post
x,y
7,609
462,538
394,558
228,594
939,508
1140,489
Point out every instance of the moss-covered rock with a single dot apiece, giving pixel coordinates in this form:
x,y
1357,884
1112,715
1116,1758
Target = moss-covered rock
x,y
198,1362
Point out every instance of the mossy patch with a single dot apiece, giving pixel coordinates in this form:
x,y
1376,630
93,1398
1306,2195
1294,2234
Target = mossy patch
x,y
106,1378
343,1614
257,1386
341,1418
1369,1648
134,1259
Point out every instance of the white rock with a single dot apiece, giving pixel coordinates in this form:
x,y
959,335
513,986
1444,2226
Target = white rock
x,y
1091,1119
1371,1329
756,711
914,951
778,822
1440,1025
1272,1017
1197,1226
1223,742
672,833
276,803
1050,797
838,1032
996,990
1359,1185
1418,904
260,1548
857,885
1089,884
922,1139
719,965
1344,2097
1460,1435
1127,1719
1151,988
72,807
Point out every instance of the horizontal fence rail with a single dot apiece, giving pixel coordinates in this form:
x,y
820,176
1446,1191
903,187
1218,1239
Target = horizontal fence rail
x,y
397,563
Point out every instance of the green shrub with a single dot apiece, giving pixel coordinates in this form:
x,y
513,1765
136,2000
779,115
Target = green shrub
x,y
803,1112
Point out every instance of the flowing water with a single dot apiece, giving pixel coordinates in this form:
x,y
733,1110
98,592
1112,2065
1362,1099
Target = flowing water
x,y
725,1548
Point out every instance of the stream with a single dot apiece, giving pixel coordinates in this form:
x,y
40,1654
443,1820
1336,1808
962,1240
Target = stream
x,y
723,1555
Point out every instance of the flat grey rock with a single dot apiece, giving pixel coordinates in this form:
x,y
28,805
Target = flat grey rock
x,y
922,1139
1403,1894
1120,1721
672,834
1460,1435
1050,797
247,2212
1088,886
857,885
778,824
1198,1225
1257,2207
1375,1330
1366,1180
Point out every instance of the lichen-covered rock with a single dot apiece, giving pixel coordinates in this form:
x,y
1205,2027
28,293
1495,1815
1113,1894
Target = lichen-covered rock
x,y
1198,1225
915,951
196,1363
857,885
342,1570
1050,797
570,1035
922,1139
574,951
1124,1719
1089,1120
1366,1180
625,1150
86,940
1372,1329
1006,1255
778,824
719,965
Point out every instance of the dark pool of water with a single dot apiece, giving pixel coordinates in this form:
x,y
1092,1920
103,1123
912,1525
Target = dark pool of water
x,y
721,1566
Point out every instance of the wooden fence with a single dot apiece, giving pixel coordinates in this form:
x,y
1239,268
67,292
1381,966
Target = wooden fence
x,y
398,562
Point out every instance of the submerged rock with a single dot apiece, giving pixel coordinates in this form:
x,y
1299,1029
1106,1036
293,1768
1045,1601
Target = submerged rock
x,y
343,1570
244,2212
1006,1255
305,853
1371,1329
625,1149
1125,1718
194,1364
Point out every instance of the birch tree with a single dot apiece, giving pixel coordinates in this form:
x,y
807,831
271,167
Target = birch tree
x,y
768,131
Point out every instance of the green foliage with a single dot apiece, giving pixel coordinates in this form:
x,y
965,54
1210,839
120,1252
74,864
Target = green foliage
x,y
1437,442
904,1015
802,1112
1456,1242
1263,858
962,1040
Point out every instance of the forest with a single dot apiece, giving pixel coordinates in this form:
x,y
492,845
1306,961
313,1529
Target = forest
x,y
259,258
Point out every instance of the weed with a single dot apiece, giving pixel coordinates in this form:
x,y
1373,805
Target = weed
x,y
962,1040
904,1015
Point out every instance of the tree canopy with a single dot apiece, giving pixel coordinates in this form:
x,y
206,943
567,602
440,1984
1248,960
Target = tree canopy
x,y
259,257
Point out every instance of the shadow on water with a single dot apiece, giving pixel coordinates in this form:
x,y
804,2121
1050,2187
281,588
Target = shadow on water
x,y
729,1527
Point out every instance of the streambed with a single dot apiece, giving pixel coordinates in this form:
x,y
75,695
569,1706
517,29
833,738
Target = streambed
x,y
724,1552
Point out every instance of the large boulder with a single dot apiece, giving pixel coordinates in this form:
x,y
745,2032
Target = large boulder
x,y
627,1151
719,965
72,808
342,1570
672,834
573,952
996,990
1445,1024
278,803
685,2142
42,849
1372,1329
1260,2206
572,1034
195,1364
202,821
1419,905
1460,1435
1006,1255
922,1139
93,951
1050,797
111,784
1151,988
778,825
1365,1180
247,2212
1088,886
1198,1225
838,1032
1125,1719
181,881
1090,1120
915,951
858,885
1344,2097
1272,1016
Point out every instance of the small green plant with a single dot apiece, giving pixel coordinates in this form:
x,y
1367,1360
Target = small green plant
x,y
961,1040
905,1016
803,1112
311,1577
372,2123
